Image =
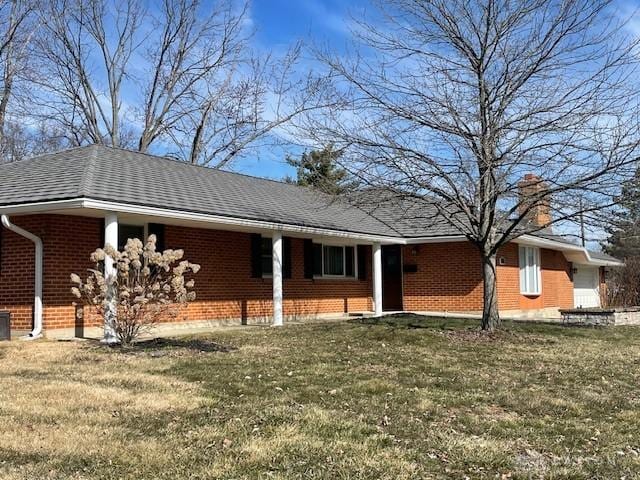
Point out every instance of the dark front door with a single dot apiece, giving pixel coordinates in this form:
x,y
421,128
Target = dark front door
x,y
391,278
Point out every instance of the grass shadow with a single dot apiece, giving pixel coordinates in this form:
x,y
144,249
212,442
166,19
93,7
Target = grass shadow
x,y
158,347
469,328
416,321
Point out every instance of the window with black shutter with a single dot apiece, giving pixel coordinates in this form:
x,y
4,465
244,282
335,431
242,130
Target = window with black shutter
x,y
330,261
286,257
266,255
349,262
256,255
126,232
262,256
309,258
317,260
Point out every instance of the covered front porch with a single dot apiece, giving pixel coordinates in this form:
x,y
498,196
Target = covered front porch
x,y
252,271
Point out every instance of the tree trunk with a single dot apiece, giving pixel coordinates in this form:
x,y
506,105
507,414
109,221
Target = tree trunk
x,y
490,315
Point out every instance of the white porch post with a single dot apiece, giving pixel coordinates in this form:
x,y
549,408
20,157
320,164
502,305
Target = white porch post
x,y
277,278
110,238
377,279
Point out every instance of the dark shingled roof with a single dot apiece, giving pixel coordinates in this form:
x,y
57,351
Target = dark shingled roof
x,y
409,217
124,176
113,174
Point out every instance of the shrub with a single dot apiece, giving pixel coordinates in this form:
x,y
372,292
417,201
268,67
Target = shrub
x,y
147,285
623,284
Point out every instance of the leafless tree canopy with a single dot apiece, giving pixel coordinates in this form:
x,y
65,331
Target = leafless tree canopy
x,y
452,102
178,77
17,23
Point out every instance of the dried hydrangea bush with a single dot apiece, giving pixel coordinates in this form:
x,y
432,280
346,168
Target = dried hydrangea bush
x,y
147,286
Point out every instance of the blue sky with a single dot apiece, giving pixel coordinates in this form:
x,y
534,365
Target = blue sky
x,y
281,23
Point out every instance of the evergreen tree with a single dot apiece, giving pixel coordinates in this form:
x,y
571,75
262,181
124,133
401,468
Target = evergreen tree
x,y
320,169
624,231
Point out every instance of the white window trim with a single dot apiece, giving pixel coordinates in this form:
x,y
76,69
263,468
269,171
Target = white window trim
x,y
344,276
523,270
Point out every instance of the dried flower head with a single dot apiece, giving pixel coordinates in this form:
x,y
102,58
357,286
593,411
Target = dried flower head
x,y
148,286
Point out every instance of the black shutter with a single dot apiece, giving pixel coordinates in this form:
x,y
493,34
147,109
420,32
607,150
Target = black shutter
x,y
349,261
102,226
286,261
256,255
308,259
362,262
1,230
317,259
157,229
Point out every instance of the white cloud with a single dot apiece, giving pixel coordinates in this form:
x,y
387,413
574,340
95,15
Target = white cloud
x,y
335,20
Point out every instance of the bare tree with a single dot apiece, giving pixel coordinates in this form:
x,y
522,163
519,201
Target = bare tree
x,y
194,48
16,28
86,49
450,103
186,82
247,111
21,141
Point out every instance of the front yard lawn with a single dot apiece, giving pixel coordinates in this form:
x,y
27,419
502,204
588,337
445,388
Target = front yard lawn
x,y
398,399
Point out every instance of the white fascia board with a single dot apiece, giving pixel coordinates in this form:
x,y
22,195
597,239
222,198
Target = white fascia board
x,y
57,205
578,253
441,239
39,207
235,221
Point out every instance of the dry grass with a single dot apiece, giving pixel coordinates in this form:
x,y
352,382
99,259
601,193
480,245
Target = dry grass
x,y
405,399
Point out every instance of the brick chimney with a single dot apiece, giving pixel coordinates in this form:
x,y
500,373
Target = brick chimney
x,y
529,186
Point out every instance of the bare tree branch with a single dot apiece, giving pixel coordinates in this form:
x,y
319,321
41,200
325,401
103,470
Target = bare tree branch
x,y
450,103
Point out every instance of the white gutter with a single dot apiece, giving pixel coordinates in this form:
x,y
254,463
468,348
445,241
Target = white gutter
x,y
234,221
576,253
37,301
439,239
221,220
580,254
44,206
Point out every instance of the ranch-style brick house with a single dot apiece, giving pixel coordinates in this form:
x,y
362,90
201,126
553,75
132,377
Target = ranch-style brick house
x,y
268,250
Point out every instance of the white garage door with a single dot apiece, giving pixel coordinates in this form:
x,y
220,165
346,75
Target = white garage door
x,y
586,287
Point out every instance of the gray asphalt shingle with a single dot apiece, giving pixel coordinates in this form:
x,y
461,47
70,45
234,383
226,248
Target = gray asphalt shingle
x,y
104,173
124,176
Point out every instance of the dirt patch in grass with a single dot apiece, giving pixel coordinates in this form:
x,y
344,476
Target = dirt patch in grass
x,y
365,399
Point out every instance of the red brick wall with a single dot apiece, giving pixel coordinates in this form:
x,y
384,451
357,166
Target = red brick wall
x,y
16,273
557,286
68,241
449,278
225,289
224,286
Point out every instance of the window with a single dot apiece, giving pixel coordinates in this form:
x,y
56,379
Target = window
x,y
125,232
338,261
262,255
529,270
266,251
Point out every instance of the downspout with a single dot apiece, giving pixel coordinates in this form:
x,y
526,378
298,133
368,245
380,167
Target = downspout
x,y
37,301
